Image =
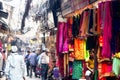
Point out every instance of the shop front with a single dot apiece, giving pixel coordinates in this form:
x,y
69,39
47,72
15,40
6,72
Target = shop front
x,y
89,36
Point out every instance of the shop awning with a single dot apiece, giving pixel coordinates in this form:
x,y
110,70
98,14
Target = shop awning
x,y
3,14
3,25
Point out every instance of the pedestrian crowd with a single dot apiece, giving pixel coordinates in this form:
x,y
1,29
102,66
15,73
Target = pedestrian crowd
x,y
17,66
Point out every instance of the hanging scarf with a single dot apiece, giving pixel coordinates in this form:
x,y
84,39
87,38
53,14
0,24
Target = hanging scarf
x,y
79,49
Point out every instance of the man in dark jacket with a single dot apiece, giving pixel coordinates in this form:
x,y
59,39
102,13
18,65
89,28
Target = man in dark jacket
x,y
27,62
32,59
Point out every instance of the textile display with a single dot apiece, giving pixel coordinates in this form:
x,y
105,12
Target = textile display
x,y
90,25
115,44
62,38
107,30
91,42
106,69
60,63
79,49
85,22
77,69
65,39
98,22
59,39
70,36
116,66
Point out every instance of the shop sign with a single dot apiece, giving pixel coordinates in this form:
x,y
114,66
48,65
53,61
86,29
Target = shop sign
x,y
73,5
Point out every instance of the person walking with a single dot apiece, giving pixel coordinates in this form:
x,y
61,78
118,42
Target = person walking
x,y
1,62
27,62
32,59
15,66
43,62
4,60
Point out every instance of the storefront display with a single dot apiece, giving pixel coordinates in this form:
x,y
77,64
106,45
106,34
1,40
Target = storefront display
x,y
93,28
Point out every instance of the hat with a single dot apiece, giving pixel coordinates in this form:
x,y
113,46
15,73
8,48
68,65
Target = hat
x,y
14,48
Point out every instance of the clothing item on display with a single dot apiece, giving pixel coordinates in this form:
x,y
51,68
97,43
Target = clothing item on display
x,y
75,25
115,45
79,49
81,21
116,66
65,39
77,69
91,42
107,31
84,26
106,69
62,38
98,22
70,36
101,41
69,25
117,42
59,39
61,64
90,22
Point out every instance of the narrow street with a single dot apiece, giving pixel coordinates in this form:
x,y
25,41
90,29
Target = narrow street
x,y
60,39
